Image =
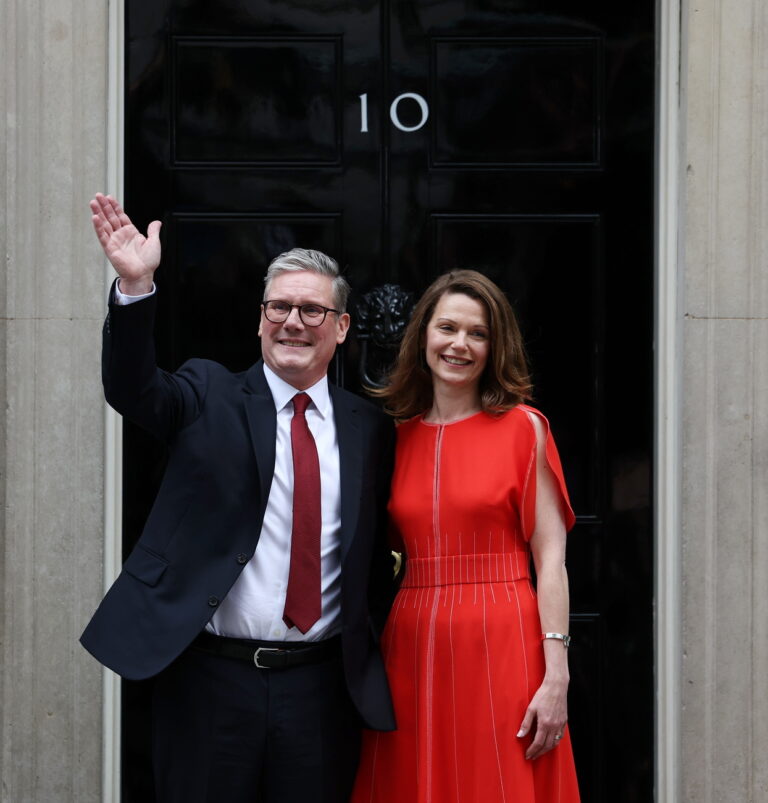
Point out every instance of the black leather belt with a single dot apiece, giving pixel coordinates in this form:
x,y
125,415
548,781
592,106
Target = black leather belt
x,y
268,654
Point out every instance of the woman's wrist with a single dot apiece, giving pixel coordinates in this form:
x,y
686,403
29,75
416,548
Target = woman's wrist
x,y
557,676
563,638
556,660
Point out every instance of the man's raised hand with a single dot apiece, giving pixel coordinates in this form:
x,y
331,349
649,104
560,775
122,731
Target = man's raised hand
x,y
133,256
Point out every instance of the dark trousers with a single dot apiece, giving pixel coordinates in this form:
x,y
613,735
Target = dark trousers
x,y
225,731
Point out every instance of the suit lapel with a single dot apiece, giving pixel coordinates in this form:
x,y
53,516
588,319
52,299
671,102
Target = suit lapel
x,y
349,434
262,423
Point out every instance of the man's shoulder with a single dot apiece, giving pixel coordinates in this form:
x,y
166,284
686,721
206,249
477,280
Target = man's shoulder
x,y
201,365
201,369
364,406
354,399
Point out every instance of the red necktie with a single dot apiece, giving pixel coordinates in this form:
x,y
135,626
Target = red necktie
x,y
302,599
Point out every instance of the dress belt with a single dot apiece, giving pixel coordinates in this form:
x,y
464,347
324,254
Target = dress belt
x,y
493,567
268,654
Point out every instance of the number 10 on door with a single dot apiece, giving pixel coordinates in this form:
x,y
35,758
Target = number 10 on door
x,y
394,112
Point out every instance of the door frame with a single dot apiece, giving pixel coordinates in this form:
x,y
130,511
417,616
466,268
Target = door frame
x,y
667,462
113,423
667,404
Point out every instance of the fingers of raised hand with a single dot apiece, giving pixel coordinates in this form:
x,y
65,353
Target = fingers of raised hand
x,y
102,234
132,255
100,218
109,212
112,212
122,217
113,227
100,222
153,230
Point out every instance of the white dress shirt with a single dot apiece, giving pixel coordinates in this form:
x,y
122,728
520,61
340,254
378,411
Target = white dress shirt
x,y
254,606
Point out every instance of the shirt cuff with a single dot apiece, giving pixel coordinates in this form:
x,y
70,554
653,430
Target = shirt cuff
x,y
122,300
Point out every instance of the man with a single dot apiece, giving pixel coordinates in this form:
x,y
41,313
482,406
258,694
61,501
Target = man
x,y
259,585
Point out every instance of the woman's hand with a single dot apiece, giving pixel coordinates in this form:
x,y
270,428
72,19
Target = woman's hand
x,y
546,716
133,256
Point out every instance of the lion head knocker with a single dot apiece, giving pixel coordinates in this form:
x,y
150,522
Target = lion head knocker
x,y
381,316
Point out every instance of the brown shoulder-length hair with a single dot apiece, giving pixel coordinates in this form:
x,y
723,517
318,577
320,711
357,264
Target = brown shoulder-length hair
x,y
504,382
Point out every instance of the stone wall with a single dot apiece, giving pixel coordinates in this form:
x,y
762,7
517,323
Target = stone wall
x,y
52,289
724,707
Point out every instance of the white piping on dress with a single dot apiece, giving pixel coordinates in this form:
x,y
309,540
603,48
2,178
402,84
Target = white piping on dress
x,y
490,701
433,614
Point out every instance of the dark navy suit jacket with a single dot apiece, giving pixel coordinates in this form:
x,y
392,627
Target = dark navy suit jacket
x,y
220,429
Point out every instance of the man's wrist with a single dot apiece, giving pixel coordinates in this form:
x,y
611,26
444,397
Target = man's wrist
x,y
137,287
127,293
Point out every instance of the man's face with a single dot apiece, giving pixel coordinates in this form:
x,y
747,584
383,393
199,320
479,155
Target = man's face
x,y
297,353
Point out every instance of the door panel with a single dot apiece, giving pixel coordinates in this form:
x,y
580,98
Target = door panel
x,y
256,101
545,90
407,139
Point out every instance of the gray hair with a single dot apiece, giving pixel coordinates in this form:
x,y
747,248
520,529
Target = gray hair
x,y
298,259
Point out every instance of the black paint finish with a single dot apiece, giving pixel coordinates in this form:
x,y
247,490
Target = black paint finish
x,y
535,165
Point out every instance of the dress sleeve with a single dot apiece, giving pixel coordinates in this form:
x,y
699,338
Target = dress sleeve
x,y
529,489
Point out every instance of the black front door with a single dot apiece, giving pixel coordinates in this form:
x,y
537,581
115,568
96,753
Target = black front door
x,y
406,139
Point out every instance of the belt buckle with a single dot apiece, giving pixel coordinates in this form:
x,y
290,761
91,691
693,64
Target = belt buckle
x,y
263,649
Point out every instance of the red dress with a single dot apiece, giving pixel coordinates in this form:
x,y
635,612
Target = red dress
x,y
462,644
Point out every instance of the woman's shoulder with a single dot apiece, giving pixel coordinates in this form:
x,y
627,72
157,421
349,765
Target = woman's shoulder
x,y
521,415
408,424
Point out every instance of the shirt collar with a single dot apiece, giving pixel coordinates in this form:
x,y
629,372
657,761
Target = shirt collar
x,y
283,393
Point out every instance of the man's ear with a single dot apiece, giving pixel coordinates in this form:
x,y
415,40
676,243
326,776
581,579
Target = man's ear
x,y
342,327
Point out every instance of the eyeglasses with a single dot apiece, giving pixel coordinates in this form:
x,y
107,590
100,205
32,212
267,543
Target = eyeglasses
x,y
310,314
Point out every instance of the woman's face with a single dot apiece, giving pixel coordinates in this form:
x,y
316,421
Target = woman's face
x,y
457,341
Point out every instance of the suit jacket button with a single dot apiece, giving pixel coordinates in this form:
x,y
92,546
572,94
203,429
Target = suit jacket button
x,y
242,558
213,601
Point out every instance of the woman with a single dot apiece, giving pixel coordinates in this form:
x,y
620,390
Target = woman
x,y
477,660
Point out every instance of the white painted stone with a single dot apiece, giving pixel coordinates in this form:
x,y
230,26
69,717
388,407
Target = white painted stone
x,y
759,691
725,422
53,62
726,159
723,483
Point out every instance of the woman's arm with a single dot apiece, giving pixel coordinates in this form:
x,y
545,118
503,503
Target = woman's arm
x,y
547,712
